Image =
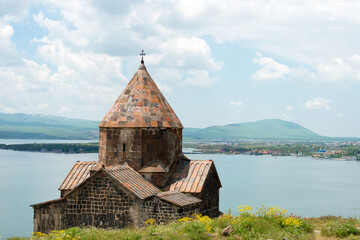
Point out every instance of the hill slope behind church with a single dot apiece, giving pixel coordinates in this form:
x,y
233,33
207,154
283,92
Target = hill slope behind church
x,y
38,126
35,126
263,129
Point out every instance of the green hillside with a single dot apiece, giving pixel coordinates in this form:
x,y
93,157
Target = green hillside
x,y
263,129
37,126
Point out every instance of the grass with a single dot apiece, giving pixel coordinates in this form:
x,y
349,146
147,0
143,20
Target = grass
x,y
264,223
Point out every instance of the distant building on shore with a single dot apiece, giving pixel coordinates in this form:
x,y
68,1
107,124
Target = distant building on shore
x,y
141,172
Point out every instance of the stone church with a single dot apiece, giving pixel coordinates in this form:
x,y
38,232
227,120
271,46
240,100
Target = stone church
x,y
141,172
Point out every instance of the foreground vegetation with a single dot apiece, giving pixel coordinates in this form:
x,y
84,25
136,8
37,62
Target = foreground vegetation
x,y
264,223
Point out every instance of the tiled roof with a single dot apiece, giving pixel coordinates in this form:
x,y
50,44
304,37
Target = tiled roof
x,y
178,198
153,167
48,202
141,104
190,176
133,181
79,172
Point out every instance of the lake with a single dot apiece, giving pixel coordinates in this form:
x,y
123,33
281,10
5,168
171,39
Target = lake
x,y
25,141
305,186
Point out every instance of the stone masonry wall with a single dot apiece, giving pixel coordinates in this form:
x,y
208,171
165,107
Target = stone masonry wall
x,y
100,203
163,145
49,216
163,212
210,196
139,146
117,145
64,192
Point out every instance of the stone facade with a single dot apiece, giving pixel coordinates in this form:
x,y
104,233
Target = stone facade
x,y
210,196
163,212
140,152
102,202
49,216
138,147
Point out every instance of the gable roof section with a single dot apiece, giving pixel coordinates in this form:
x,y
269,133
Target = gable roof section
x,y
79,172
178,198
58,200
133,181
124,175
153,167
190,176
141,104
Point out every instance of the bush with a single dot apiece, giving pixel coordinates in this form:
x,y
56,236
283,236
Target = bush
x,y
249,224
341,228
195,230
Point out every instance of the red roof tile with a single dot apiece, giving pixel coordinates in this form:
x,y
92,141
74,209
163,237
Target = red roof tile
x,y
178,198
141,104
153,167
133,181
124,174
79,172
190,176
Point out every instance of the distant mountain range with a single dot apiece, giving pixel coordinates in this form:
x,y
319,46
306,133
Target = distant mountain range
x,y
37,126
263,129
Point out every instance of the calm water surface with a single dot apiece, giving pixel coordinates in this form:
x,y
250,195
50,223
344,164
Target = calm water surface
x,y
304,186
24,141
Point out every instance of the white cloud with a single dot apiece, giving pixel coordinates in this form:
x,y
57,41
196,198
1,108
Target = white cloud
x,y
289,108
339,115
199,78
318,103
301,31
8,52
59,29
87,42
189,52
188,59
236,104
270,69
42,106
339,70
13,10
285,116
174,31
6,32
64,110
83,84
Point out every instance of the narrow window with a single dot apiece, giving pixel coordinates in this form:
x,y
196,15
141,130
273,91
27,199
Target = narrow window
x,y
124,147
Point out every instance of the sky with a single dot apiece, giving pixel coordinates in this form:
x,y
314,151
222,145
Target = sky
x,y
216,62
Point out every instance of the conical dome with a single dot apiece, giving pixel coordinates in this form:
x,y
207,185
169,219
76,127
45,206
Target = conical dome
x,y
141,105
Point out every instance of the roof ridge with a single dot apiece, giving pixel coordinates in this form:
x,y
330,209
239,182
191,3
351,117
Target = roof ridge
x,y
195,160
167,193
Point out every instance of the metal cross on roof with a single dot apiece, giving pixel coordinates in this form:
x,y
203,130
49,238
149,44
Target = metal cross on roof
x,y
142,54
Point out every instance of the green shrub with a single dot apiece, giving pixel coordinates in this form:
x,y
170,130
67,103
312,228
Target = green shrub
x,y
196,231
341,228
249,224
